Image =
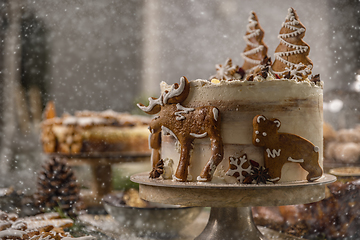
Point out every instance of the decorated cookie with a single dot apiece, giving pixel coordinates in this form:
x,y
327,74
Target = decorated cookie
x,y
280,148
291,55
239,167
256,49
227,71
185,124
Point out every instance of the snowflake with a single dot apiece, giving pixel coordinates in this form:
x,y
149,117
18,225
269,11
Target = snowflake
x,y
237,168
298,71
226,71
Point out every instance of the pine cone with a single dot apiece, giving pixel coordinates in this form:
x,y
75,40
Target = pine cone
x,y
57,187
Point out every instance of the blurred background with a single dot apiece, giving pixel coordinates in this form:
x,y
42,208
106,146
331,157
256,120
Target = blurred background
x,y
99,55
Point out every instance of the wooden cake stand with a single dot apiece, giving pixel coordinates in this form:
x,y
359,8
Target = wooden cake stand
x,y
230,215
101,170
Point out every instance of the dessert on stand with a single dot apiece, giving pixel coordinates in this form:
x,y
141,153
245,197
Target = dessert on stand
x,y
249,136
95,139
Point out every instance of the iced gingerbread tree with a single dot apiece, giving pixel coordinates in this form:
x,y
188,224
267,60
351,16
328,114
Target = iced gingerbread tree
x,y
256,49
291,55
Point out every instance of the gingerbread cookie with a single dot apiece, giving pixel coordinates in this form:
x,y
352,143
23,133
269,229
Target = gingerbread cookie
x,y
227,71
291,55
280,148
185,125
255,50
239,167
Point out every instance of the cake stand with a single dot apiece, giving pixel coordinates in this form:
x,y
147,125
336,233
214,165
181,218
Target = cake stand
x,y
101,170
230,215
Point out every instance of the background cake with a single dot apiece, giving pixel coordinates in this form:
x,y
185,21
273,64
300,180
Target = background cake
x,y
264,126
94,132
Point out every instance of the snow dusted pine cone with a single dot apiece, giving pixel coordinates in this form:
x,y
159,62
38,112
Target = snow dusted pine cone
x,y
57,187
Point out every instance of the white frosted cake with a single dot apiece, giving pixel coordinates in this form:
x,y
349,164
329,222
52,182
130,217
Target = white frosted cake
x,y
255,125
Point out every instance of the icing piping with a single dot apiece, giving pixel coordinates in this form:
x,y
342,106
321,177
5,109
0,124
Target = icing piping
x,y
274,153
216,113
259,118
182,110
295,160
168,131
174,92
202,135
274,179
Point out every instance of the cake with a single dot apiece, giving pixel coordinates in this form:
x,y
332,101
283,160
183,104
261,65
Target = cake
x,y
344,147
255,125
89,132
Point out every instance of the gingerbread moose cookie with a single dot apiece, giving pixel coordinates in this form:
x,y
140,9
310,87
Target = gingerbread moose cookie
x,y
280,148
185,125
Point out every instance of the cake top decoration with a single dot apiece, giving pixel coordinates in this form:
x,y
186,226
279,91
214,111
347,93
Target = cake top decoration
x,y
291,55
227,71
256,49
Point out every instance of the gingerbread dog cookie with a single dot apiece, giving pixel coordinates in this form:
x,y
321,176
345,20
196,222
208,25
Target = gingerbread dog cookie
x,y
280,148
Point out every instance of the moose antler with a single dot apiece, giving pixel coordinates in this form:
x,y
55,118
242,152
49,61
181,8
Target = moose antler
x,y
177,94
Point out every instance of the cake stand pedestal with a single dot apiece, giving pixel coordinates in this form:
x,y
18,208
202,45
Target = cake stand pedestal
x,y
101,171
230,216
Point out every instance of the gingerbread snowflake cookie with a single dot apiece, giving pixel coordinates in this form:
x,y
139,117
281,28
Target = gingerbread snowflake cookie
x,y
239,167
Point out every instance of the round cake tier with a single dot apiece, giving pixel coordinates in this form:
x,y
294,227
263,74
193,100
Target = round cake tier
x,y
297,105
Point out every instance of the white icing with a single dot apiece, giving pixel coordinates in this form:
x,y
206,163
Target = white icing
x,y
182,110
216,113
295,160
274,179
277,123
264,134
239,169
260,118
152,104
174,178
200,179
316,149
167,131
257,140
256,132
174,92
314,178
274,153
202,135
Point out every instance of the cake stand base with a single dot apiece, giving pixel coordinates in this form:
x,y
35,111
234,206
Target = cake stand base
x,y
231,223
231,216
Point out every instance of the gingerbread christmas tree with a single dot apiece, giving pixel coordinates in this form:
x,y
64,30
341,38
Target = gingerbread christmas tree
x,y
256,49
291,55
